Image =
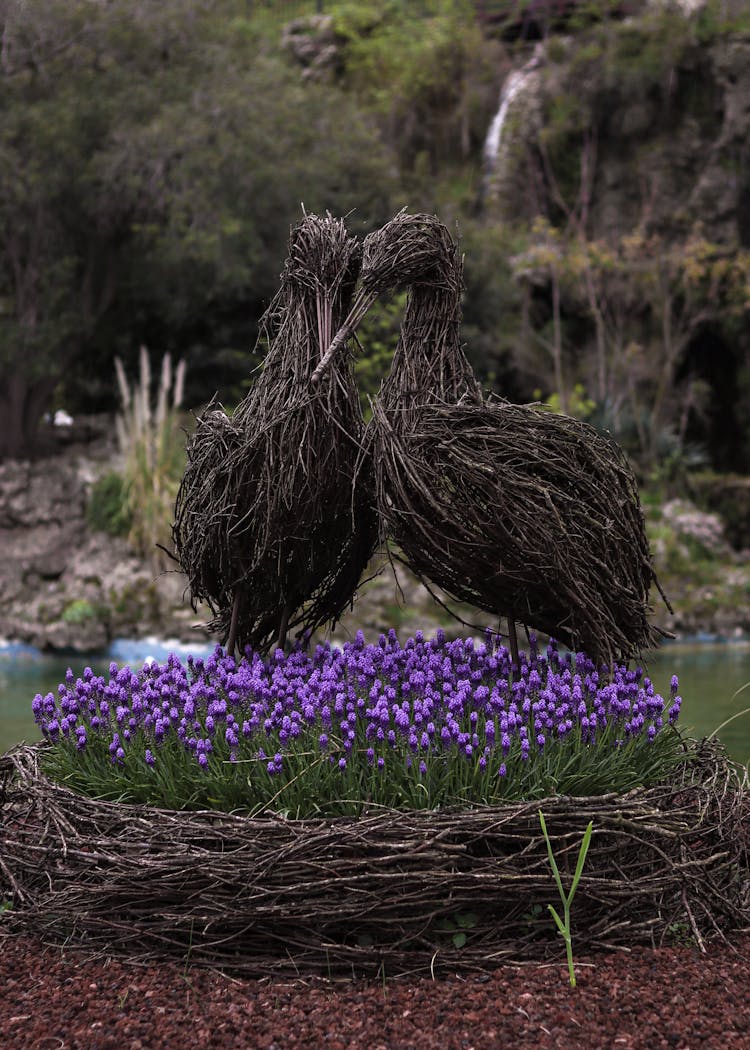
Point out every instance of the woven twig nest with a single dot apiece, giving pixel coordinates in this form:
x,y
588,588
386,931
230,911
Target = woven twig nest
x,y
380,893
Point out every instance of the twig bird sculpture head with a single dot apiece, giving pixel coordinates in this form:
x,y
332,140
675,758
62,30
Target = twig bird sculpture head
x,y
274,521
418,252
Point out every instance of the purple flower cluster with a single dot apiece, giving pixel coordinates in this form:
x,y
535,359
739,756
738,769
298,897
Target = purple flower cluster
x,y
422,701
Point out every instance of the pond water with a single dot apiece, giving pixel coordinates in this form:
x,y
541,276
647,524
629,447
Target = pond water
x,y
711,675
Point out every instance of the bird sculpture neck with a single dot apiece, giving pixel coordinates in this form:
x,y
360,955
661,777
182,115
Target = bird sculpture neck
x,y
429,364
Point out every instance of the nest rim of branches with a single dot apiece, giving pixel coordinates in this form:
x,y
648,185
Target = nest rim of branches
x,y
268,895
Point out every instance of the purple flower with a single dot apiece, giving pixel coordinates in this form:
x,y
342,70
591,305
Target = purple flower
x,y
674,711
454,697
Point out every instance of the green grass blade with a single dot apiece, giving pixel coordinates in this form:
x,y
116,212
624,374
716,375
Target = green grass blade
x,y
581,859
560,924
741,689
550,854
728,720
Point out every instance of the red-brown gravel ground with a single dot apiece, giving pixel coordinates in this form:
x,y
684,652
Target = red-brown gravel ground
x,y
53,999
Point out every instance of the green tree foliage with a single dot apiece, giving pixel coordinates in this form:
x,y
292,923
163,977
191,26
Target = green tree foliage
x,y
645,299
152,158
154,155
427,73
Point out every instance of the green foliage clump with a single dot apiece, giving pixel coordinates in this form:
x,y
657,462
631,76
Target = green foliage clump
x,y
378,335
718,19
579,404
107,509
79,611
427,74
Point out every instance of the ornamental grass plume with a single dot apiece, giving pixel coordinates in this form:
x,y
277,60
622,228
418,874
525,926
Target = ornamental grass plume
x,y
427,725
149,441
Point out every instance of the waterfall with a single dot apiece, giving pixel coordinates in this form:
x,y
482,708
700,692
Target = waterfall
x,y
513,85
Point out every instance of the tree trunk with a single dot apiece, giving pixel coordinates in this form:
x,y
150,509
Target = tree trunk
x,y
557,350
21,406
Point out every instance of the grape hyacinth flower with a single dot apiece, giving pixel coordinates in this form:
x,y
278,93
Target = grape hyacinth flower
x,y
379,718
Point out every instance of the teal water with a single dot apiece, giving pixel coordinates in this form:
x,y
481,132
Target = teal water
x,y
24,672
710,676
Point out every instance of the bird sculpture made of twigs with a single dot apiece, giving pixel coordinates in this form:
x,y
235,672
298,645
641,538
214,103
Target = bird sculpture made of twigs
x,y
514,509
275,518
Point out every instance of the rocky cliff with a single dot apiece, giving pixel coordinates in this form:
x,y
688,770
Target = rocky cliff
x,y
647,116
62,585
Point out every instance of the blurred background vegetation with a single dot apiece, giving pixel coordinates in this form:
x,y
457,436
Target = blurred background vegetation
x,y
153,157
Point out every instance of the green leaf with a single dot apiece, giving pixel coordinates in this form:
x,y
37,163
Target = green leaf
x,y
550,854
581,859
459,939
560,924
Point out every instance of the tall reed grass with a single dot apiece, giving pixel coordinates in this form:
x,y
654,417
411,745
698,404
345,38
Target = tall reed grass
x,y
153,452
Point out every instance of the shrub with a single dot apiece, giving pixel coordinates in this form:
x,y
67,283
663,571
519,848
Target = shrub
x,y
108,510
79,611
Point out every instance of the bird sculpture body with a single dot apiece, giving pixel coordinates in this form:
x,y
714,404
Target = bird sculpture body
x,y
513,509
275,519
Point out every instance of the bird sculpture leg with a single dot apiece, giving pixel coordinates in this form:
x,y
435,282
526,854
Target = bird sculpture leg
x,y
513,639
283,627
233,625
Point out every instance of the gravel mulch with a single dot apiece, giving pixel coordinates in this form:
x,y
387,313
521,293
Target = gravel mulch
x,y
676,997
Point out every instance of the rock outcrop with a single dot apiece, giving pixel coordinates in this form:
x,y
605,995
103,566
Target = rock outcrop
x,y
664,122
63,586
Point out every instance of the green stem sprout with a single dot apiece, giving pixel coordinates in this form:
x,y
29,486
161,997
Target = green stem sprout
x,y
563,924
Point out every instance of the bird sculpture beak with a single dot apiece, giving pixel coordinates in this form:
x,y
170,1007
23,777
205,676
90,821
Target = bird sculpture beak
x,y
323,304
361,304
